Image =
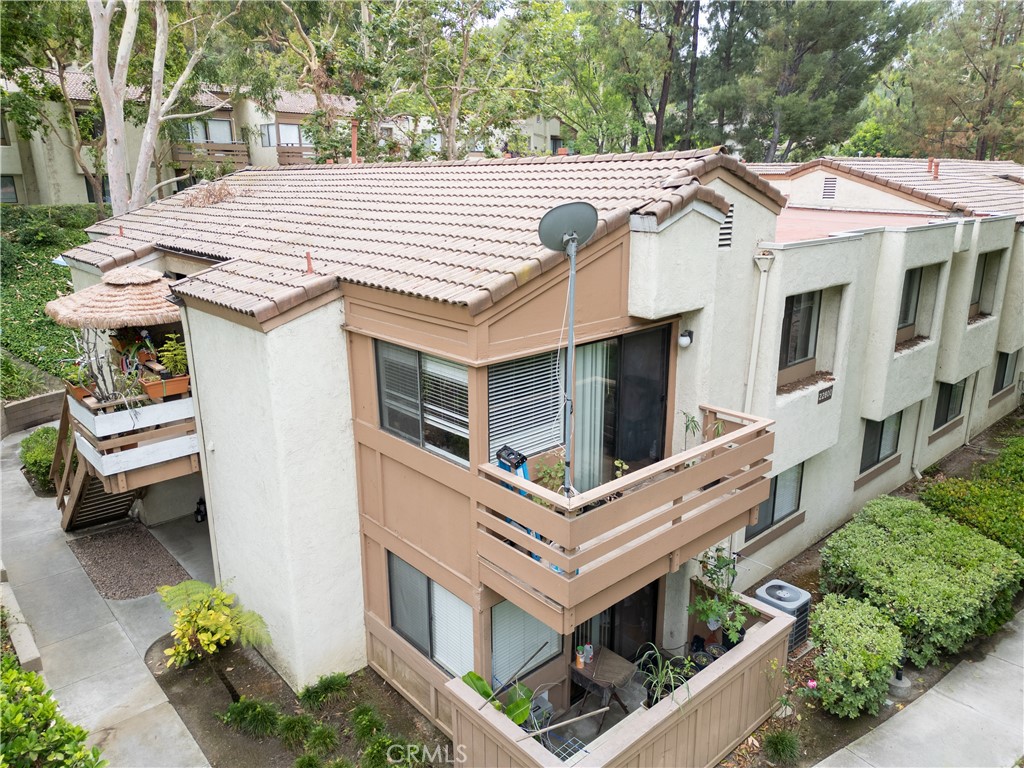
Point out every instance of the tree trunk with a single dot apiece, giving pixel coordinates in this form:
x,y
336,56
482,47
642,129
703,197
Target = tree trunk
x,y
666,79
773,145
691,89
727,63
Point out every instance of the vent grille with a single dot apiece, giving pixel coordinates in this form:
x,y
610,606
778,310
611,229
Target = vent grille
x,y
828,191
792,600
725,230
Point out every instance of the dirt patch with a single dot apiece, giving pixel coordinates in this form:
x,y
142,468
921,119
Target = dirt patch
x,y
37,489
818,377
903,346
198,697
127,562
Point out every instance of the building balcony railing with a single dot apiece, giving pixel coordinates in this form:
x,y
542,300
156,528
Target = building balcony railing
x,y
235,153
567,551
295,155
138,446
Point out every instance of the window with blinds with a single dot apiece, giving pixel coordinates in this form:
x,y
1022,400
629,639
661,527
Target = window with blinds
x,y
881,439
431,618
783,500
424,399
524,400
515,637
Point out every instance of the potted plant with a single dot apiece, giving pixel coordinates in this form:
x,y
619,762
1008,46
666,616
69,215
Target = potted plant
x,y
664,674
717,605
170,376
80,382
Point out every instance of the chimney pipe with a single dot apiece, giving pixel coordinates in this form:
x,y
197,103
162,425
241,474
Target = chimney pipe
x,y
355,141
935,170
309,263
931,164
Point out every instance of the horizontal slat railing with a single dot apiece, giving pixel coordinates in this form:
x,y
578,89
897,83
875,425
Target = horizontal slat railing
x,y
569,549
295,155
235,151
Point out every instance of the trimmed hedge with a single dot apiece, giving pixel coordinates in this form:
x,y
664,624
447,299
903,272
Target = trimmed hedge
x,y
860,648
37,452
1009,466
35,734
994,508
940,582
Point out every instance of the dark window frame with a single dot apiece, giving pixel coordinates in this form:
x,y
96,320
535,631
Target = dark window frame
x,y
950,403
768,516
875,433
910,299
1005,370
801,319
981,277
13,187
106,190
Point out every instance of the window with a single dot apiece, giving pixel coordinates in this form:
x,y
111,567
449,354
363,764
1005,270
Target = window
x,y
8,192
212,131
984,278
525,404
905,326
424,399
828,189
556,144
292,135
387,133
783,500
268,135
430,617
4,139
515,637
799,336
881,440
725,230
1006,366
106,190
950,403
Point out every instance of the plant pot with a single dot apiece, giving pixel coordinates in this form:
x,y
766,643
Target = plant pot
x,y
166,387
729,644
702,659
79,393
716,651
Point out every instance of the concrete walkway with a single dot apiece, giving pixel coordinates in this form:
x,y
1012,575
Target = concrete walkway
x,y
92,649
973,717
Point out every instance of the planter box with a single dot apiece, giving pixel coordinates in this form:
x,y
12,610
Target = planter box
x,y
166,387
107,424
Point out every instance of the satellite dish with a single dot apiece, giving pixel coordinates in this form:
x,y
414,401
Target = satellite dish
x,y
562,222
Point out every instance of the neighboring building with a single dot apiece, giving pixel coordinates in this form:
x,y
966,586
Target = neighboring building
x,y
363,339
41,170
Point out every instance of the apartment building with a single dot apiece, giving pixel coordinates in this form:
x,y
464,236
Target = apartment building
x,y
762,370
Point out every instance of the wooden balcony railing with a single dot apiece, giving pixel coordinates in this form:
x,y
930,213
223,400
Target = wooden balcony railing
x,y
570,549
295,155
235,153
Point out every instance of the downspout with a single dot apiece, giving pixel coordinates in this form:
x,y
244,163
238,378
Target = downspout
x,y
764,261
970,410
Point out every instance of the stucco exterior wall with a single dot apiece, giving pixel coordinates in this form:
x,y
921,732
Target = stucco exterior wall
x,y
170,500
279,473
806,189
248,115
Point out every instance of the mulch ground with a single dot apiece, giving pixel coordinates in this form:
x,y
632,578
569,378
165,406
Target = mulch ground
x,y
127,562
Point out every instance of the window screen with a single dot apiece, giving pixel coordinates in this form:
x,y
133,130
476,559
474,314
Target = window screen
x,y
268,135
8,192
218,131
445,395
290,134
451,631
1006,365
410,602
908,302
515,636
783,500
799,328
524,401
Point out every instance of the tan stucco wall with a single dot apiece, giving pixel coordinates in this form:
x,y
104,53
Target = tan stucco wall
x,y
851,193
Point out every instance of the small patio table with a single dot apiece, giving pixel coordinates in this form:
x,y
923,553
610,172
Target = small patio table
x,y
604,676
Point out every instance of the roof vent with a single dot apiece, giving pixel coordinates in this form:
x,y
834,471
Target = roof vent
x,y
792,600
725,230
828,191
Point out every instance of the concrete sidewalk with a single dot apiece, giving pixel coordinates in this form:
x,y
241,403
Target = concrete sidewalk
x,y
973,717
92,649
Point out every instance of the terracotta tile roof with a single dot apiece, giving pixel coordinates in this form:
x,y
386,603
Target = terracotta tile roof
x,y
462,232
82,86
305,103
972,187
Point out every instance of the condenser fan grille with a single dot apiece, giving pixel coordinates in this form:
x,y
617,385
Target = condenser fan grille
x,y
782,593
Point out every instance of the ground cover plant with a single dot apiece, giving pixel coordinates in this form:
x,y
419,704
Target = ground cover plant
x,y
18,381
860,649
37,452
32,237
940,582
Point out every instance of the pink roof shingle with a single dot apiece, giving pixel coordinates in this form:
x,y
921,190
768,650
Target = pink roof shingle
x,y
462,232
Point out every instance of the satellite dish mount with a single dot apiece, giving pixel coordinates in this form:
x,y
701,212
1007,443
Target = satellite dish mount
x,y
566,228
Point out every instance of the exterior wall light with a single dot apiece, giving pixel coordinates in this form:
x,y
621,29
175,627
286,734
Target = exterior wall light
x,y
685,339
200,512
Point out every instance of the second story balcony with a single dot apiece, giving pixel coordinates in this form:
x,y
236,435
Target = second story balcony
x,y
570,554
295,155
235,153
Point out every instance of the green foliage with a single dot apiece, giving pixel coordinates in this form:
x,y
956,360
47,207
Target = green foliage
x,y
35,734
172,355
517,700
252,716
720,605
16,381
206,619
294,729
870,139
367,724
940,582
322,740
551,476
994,508
328,689
782,746
1009,465
376,754
308,761
37,451
341,762
664,674
860,648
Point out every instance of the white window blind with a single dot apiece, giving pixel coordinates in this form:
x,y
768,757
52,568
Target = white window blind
x,y
398,369
524,400
515,636
290,134
219,131
268,135
890,436
787,491
451,631
445,395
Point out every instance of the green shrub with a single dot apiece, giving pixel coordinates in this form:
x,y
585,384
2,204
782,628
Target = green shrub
x,y
328,689
309,761
376,754
34,732
940,582
37,452
17,382
322,740
11,256
860,648
252,716
994,508
294,729
366,724
340,762
1009,465
782,746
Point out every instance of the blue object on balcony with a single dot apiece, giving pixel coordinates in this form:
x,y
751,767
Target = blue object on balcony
x,y
513,461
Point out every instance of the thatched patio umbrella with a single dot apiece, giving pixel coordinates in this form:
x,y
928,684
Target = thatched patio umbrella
x,y
128,296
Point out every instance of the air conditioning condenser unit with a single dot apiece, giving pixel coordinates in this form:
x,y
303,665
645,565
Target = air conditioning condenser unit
x,y
792,600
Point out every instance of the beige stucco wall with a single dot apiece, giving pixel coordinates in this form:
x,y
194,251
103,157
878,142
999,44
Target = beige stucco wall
x,y
247,114
279,471
170,499
806,190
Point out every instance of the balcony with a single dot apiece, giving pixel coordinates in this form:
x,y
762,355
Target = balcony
x,y
295,155
235,153
567,559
